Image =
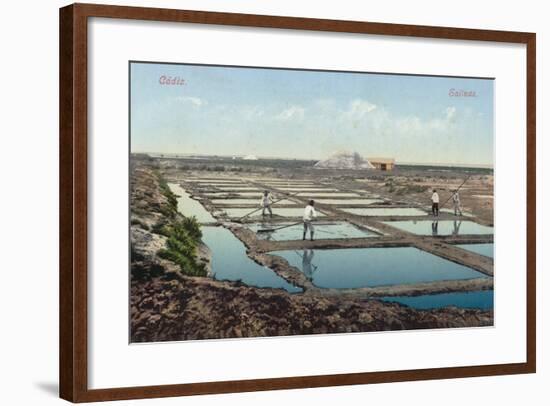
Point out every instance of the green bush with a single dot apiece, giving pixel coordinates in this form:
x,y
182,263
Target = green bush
x,y
192,226
181,249
184,236
172,198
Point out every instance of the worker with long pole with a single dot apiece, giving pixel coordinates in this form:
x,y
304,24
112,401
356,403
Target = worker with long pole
x,y
456,203
309,215
266,202
261,207
456,193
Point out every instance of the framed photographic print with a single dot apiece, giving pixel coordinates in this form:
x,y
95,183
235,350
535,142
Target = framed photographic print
x,y
241,191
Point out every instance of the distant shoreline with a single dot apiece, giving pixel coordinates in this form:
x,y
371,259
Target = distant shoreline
x,y
260,158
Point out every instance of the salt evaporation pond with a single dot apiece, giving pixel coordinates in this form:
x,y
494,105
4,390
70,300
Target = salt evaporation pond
x,y
190,207
383,211
230,262
219,195
481,249
249,201
441,227
282,212
473,300
289,182
307,189
213,182
322,231
293,184
452,212
239,188
328,194
348,201
370,267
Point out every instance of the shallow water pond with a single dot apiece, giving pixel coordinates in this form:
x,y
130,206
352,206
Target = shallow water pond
x,y
383,211
190,207
328,194
441,227
348,201
249,201
322,231
481,249
219,195
475,300
307,189
282,212
451,211
239,188
230,262
293,184
369,267
210,180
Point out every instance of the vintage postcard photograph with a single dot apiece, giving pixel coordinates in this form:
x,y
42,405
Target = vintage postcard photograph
x,y
279,202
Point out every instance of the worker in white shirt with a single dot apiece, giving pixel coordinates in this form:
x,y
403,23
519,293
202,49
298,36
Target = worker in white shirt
x,y
266,202
435,203
309,215
456,204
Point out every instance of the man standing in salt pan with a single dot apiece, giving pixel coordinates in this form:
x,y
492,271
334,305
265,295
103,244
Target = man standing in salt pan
x,y
456,203
309,215
266,202
435,203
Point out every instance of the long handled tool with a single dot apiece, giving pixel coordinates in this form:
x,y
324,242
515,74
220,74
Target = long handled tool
x,y
270,230
447,201
260,208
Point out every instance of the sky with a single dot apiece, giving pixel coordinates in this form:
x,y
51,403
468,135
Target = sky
x,y
310,114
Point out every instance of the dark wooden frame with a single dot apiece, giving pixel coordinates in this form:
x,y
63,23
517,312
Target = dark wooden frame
x,y
73,201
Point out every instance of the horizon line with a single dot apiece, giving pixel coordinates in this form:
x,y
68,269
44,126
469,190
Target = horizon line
x,y
397,162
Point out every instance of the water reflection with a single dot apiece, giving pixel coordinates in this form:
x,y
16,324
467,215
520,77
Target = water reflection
x,y
435,225
456,227
441,227
383,211
369,267
307,263
230,262
294,231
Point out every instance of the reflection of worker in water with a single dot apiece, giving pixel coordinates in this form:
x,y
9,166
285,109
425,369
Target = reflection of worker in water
x,y
456,204
309,215
266,202
435,225
267,236
307,267
456,227
435,203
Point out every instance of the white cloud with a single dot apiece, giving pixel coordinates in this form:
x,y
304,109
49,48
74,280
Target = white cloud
x,y
415,126
450,112
195,101
359,109
291,113
373,120
409,125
